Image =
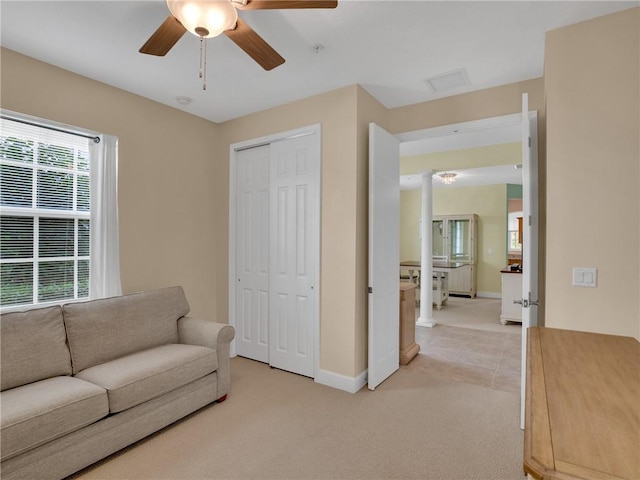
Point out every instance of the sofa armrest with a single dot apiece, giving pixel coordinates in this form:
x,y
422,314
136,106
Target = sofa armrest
x,y
196,331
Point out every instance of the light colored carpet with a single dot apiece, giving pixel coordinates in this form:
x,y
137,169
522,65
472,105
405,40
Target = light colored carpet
x,y
277,425
476,313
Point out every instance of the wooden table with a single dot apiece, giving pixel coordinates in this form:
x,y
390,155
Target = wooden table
x,y
582,416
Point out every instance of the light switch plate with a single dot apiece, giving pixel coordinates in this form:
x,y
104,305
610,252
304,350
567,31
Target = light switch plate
x,y
585,277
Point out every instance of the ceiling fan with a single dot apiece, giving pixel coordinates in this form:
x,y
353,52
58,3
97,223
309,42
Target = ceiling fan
x,y
210,18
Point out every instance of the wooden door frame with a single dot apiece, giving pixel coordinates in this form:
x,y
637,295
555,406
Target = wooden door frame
x,y
234,148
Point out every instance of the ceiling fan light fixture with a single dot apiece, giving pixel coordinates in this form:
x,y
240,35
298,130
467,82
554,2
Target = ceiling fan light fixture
x,y
204,18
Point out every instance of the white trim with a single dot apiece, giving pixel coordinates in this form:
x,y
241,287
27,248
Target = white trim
x,y
489,295
342,382
256,142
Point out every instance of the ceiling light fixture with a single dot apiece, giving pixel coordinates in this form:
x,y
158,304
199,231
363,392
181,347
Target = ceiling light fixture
x,y
205,19
448,177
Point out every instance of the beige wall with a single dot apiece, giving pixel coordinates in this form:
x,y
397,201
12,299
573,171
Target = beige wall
x,y
489,202
174,177
491,102
369,110
336,111
174,190
464,158
344,115
169,179
591,82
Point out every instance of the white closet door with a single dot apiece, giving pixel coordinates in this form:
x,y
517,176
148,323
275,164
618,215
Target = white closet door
x,y
294,249
252,253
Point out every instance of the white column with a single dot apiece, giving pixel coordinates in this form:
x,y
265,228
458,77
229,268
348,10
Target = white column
x,y
426,254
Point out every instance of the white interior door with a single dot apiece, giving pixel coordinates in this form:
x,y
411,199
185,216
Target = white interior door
x,y
252,253
295,167
384,254
530,234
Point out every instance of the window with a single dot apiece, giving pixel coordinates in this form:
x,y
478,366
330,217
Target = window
x,y
45,215
514,240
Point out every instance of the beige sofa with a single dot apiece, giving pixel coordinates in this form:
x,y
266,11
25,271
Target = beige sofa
x,y
84,380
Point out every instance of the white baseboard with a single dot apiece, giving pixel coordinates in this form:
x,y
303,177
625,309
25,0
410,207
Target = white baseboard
x,y
489,295
342,382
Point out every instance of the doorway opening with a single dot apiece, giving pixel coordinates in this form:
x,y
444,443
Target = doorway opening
x,y
473,345
526,125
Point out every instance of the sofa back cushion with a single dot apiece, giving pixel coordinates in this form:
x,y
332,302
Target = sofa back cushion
x,y
33,347
110,328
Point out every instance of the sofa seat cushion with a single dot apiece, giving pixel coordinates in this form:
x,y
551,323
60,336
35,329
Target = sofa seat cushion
x,y
39,412
136,378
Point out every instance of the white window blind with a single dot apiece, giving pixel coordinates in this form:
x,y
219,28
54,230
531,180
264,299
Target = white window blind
x,y
44,215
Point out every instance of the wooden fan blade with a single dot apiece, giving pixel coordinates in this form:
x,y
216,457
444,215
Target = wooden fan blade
x,y
283,4
164,37
254,45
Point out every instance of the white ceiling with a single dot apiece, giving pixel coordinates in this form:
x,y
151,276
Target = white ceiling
x,y
389,47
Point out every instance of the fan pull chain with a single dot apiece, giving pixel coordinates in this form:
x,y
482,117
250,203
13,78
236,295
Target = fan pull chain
x,y
203,62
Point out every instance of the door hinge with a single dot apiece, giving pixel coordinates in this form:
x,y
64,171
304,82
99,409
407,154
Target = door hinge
x,y
370,290
529,142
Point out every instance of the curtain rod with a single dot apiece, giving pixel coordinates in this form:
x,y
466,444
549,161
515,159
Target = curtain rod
x,y
48,127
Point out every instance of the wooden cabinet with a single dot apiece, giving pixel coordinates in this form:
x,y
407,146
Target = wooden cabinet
x,y
408,346
454,241
582,417
462,280
511,290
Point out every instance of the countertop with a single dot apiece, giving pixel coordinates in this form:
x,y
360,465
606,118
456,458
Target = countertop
x,y
508,270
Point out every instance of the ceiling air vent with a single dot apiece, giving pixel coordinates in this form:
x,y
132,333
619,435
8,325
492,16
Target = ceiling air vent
x,y
447,81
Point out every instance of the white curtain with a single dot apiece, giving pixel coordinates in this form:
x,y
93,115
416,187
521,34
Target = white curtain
x,y
104,277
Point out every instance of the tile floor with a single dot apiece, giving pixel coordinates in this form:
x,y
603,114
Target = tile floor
x,y
491,359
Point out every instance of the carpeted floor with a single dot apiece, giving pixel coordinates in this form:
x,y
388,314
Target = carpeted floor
x,y
277,425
